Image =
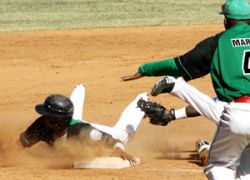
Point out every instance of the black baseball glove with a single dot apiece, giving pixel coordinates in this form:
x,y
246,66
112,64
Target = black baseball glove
x,y
157,114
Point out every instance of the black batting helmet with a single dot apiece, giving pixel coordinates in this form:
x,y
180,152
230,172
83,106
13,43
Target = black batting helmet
x,y
56,105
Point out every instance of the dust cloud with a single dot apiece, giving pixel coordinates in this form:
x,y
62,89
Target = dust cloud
x,y
41,155
155,142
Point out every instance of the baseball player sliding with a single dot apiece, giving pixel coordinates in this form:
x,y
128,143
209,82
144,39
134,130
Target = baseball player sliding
x,y
61,117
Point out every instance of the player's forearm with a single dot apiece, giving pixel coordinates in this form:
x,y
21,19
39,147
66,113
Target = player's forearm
x,y
185,112
26,140
160,68
110,142
191,112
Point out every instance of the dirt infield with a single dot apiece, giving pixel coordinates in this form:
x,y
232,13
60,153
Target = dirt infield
x,y
36,64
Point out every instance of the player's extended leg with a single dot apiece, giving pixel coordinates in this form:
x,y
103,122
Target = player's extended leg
x,y
128,122
243,171
213,109
200,101
77,97
223,157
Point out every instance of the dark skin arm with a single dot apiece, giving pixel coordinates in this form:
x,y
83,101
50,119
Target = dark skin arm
x,y
117,151
82,131
34,133
125,156
135,76
42,129
191,112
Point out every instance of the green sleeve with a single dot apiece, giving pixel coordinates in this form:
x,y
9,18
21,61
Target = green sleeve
x,y
160,68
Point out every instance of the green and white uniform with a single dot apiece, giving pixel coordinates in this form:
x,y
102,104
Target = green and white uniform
x,y
230,69
230,72
226,57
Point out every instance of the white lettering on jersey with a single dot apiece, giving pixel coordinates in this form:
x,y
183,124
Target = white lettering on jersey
x,y
248,63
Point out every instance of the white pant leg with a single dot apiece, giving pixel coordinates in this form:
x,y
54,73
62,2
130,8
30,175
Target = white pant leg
x,y
230,145
213,110
128,122
237,116
221,173
224,154
103,128
243,171
198,100
77,97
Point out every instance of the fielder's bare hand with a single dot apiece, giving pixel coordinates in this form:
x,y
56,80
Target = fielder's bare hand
x,y
131,77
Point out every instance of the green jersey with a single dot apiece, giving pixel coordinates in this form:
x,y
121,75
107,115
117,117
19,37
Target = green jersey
x,y
230,68
159,68
226,56
191,65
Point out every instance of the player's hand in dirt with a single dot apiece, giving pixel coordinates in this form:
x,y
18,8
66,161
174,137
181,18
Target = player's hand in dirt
x,y
131,77
125,156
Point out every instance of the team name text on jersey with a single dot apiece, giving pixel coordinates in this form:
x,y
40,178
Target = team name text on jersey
x,y
240,42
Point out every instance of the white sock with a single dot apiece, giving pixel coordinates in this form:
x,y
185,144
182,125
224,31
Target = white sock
x,y
180,113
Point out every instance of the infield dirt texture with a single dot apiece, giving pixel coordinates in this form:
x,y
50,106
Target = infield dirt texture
x,y
38,63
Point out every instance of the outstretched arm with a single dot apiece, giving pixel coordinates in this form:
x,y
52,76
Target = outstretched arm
x,y
191,65
160,115
157,68
185,112
37,131
118,148
137,75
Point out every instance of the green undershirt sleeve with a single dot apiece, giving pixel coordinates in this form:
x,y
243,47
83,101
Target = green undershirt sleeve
x,y
159,68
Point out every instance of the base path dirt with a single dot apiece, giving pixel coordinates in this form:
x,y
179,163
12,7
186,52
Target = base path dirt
x,y
36,64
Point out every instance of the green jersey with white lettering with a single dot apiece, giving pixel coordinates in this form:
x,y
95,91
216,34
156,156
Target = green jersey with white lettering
x,y
230,68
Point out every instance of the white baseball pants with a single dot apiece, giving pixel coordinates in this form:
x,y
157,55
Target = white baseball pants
x,y
126,125
229,151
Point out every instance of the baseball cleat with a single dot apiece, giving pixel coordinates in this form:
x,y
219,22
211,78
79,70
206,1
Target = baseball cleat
x,y
164,85
201,145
